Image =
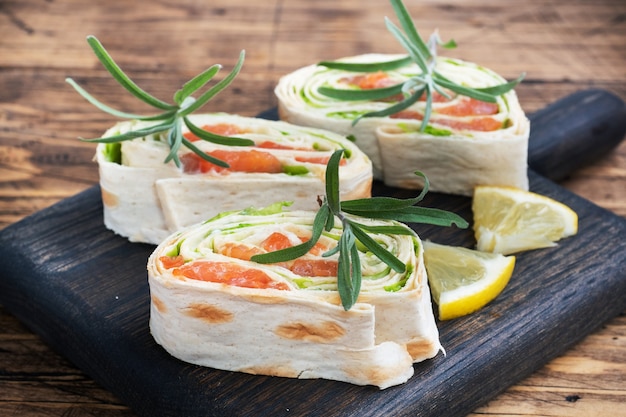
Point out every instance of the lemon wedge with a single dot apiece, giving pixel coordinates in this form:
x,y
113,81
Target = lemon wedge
x,y
464,280
509,220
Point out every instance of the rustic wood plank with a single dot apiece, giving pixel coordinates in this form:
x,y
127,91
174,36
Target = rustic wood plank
x,y
40,382
564,46
550,304
588,381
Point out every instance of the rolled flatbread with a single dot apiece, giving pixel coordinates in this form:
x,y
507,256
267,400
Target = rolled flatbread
x,y
210,303
146,199
466,142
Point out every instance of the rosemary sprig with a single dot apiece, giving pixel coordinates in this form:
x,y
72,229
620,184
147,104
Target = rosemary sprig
x,y
426,83
387,208
172,116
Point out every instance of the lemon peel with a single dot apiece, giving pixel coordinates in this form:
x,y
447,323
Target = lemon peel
x,y
509,220
464,280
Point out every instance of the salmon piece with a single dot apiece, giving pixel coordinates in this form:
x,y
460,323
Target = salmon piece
x,y
171,261
470,107
315,267
222,129
370,81
239,161
239,251
276,241
228,273
322,160
479,124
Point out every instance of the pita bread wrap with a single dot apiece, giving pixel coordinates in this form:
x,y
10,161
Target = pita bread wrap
x,y
210,303
146,199
466,142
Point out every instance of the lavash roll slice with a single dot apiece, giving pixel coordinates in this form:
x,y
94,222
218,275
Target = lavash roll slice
x,y
466,142
146,199
210,303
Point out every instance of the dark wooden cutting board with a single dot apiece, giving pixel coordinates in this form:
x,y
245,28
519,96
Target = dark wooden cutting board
x,y
84,290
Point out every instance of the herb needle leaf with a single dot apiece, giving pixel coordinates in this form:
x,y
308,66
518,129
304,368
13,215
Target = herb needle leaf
x,y
349,212
172,116
424,55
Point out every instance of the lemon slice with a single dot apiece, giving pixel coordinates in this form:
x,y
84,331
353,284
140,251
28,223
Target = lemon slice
x,y
464,280
509,220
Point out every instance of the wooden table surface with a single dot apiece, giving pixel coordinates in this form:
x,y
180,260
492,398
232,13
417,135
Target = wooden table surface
x,y
563,46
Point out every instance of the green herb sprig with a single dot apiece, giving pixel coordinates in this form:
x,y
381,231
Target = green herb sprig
x,y
386,208
172,116
427,82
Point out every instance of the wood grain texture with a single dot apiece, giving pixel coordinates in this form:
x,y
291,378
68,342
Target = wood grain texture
x,y
564,46
554,299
